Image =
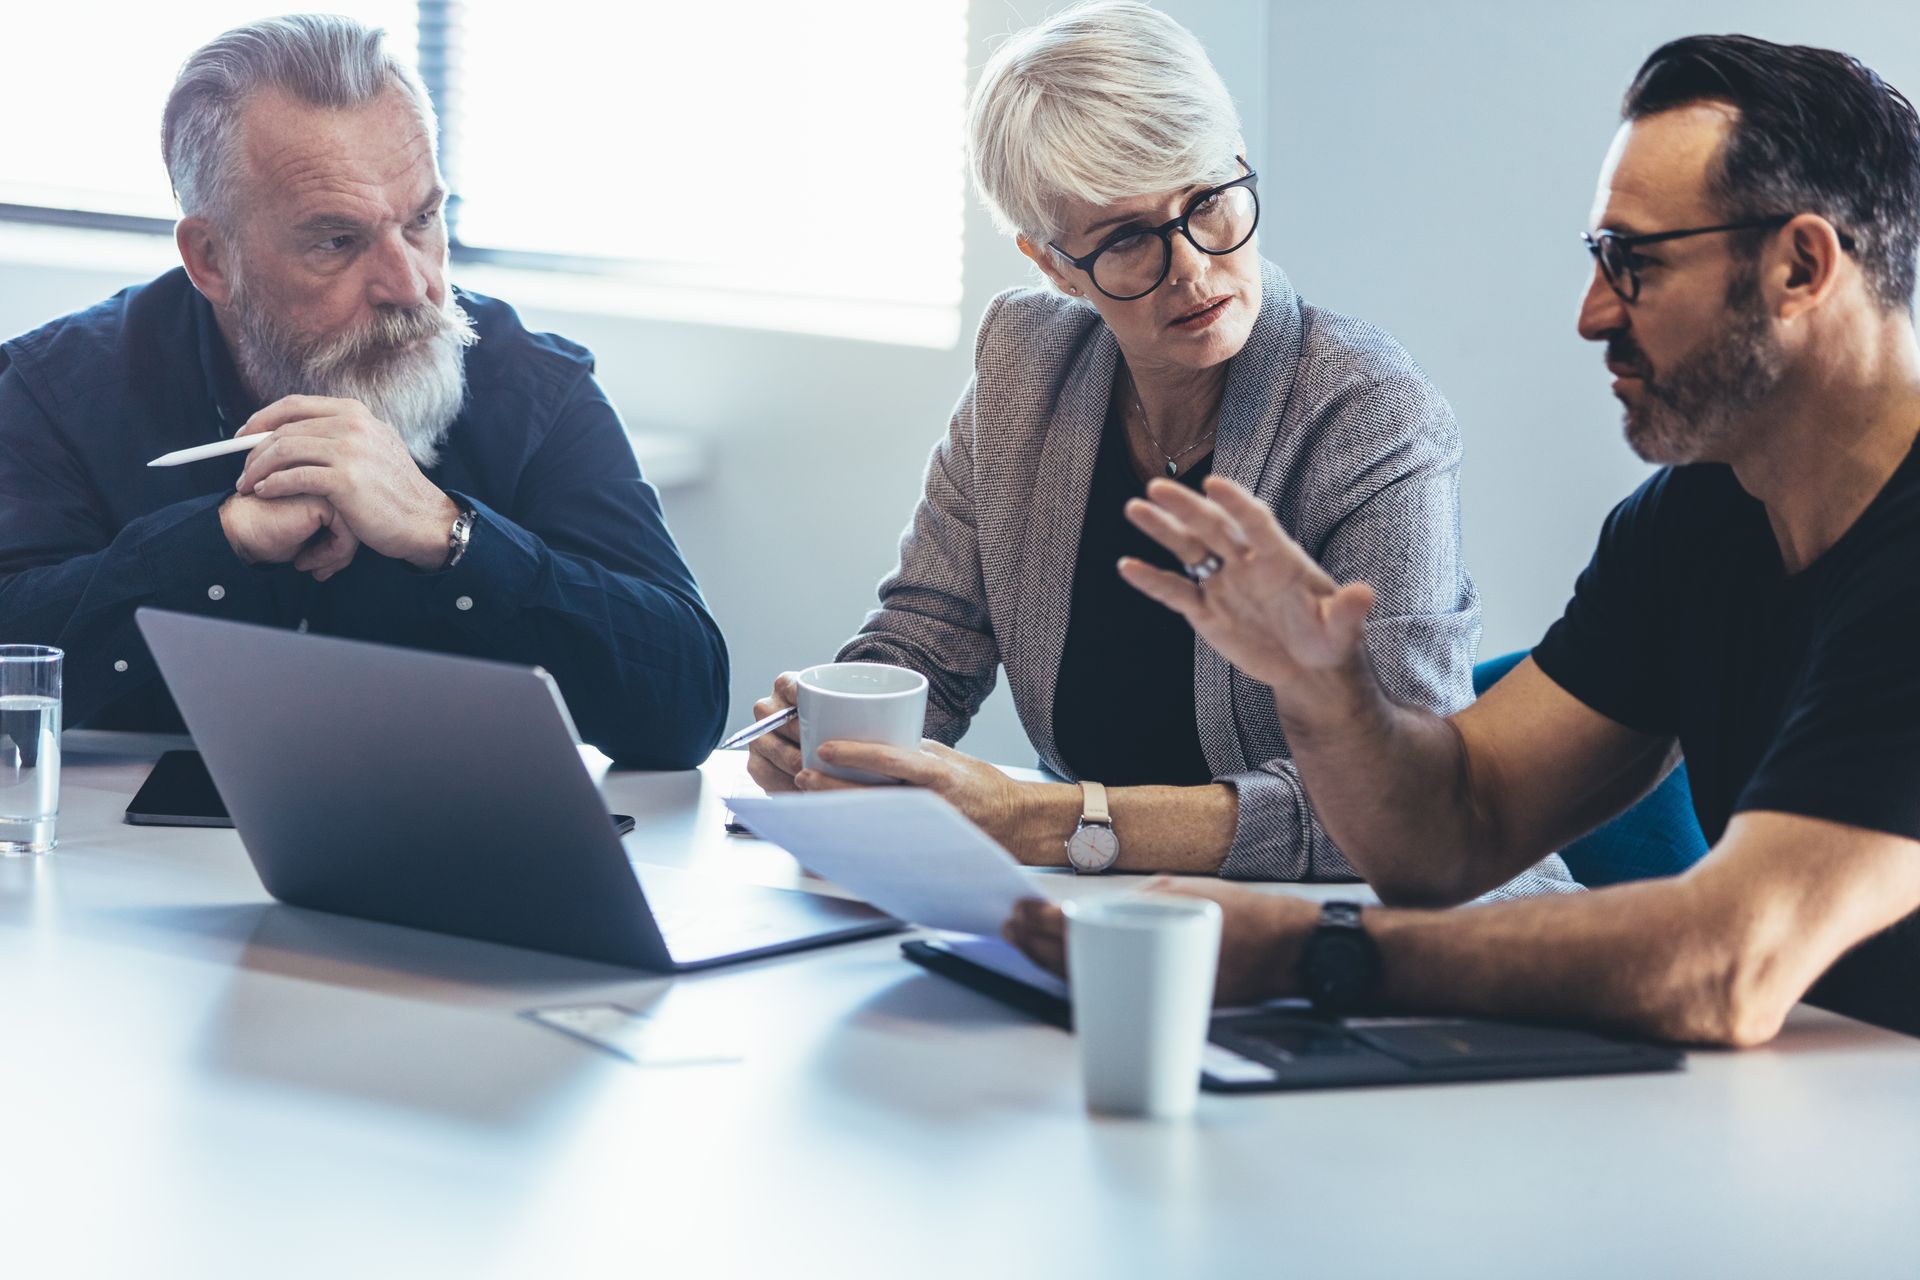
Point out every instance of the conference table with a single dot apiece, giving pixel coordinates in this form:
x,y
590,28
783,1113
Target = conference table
x,y
196,1080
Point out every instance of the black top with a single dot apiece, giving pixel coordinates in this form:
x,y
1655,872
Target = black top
x,y
1791,693
569,565
1123,707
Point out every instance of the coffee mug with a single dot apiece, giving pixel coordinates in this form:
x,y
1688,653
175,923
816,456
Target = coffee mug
x,y
860,702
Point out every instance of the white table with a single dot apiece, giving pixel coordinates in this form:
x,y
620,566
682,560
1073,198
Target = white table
x,y
196,1081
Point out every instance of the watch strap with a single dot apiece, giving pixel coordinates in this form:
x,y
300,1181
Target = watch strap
x,y
1093,804
1340,962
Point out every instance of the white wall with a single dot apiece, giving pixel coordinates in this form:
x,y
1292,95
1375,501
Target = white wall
x,y
1426,166
1433,167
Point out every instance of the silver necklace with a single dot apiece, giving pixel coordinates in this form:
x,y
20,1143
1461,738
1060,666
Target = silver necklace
x,y
1146,425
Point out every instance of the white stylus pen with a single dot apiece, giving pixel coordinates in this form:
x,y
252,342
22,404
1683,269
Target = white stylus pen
x,y
238,444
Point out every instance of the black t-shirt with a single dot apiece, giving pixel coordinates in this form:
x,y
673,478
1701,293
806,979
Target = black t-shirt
x,y
1123,706
1794,693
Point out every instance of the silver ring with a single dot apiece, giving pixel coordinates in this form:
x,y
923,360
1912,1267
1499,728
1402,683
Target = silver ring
x,y
1205,569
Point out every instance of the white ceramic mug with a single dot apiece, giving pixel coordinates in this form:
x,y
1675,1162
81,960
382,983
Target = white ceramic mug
x,y
1141,968
860,702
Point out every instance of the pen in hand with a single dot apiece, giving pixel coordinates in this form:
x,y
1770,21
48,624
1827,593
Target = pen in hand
x,y
758,728
236,444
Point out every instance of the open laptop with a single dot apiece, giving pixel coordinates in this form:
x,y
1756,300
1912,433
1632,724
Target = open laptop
x,y
448,793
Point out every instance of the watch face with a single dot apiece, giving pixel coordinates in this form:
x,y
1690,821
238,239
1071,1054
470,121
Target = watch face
x,y
1341,969
1092,848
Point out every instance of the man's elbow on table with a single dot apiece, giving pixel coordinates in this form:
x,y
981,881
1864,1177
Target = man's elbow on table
x,y
1740,962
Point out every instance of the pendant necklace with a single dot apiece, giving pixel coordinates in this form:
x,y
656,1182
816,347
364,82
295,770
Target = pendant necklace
x,y
1146,425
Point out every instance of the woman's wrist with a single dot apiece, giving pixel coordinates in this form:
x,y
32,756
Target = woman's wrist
x,y
1046,814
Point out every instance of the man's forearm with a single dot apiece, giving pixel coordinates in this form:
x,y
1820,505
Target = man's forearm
x,y
1391,785
174,558
1656,958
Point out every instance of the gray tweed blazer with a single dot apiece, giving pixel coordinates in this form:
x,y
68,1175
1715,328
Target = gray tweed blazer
x,y
1324,417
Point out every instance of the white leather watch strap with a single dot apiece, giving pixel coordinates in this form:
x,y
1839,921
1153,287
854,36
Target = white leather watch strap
x,y
1093,804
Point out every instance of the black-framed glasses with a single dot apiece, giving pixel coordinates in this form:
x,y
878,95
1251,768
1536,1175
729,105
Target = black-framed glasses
x,y
1132,262
1620,264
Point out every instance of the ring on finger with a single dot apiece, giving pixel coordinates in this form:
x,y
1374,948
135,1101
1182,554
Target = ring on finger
x,y
1201,570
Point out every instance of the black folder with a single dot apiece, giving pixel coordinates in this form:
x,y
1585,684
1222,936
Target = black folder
x,y
1285,1045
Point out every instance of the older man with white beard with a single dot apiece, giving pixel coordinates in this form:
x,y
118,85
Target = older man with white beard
x,y
437,476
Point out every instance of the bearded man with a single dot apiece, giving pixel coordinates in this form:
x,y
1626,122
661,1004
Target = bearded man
x,y
435,475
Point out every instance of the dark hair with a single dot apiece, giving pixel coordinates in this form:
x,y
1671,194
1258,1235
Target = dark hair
x,y
1818,132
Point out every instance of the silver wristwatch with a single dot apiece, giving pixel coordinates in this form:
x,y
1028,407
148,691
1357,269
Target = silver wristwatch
x,y
1093,847
458,536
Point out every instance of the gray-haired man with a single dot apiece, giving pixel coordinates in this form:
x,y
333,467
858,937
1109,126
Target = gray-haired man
x,y
438,476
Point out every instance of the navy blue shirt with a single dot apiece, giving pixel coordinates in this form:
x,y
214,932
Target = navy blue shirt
x,y
569,565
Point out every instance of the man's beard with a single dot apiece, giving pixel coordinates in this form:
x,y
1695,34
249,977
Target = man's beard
x,y
416,390
1689,413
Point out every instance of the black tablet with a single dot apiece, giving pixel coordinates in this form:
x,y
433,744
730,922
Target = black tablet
x,y
178,793
1288,1046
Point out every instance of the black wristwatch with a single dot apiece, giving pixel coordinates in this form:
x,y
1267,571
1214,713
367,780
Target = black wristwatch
x,y
1340,964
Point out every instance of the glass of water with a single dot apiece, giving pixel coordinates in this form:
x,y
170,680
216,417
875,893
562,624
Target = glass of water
x,y
29,747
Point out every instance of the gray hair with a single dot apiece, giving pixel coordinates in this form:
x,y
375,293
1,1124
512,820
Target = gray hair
x,y
321,59
1101,102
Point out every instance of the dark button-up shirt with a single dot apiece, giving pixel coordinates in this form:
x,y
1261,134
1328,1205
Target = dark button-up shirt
x,y
569,566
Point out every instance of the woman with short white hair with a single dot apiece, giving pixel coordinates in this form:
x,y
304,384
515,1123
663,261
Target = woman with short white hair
x,y
1162,346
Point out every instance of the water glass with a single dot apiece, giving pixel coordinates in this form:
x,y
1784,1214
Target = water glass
x,y
29,747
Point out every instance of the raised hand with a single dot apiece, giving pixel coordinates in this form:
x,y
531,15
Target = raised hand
x,y
1266,605
337,450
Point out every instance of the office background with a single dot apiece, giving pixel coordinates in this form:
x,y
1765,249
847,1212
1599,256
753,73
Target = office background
x,y
1426,166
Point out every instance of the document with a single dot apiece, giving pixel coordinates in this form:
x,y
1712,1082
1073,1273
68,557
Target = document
x,y
640,1038
903,849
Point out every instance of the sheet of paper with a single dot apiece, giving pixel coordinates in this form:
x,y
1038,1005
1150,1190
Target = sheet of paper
x,y
1006,960
641,1039
903,849
597,762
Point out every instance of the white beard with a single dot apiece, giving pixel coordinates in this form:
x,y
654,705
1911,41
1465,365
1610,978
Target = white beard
x,y
418,392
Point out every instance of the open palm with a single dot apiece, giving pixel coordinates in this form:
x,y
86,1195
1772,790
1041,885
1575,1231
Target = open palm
x,y
1269,609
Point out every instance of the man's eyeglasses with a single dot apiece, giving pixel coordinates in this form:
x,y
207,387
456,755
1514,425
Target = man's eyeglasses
x,y
1132,262
1620,263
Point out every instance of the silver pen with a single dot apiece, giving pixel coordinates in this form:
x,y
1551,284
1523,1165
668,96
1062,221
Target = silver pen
x,y
758,728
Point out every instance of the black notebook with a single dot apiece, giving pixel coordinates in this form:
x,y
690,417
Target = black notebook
x,y
1286,1045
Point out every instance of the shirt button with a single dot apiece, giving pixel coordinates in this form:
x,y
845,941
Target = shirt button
x,y
216,592
119,664
464,603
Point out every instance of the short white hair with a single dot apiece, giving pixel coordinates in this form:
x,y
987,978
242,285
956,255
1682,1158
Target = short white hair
x,y
323,60
1101,102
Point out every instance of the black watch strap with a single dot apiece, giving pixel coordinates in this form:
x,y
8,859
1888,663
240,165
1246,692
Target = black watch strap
x,y
1340,964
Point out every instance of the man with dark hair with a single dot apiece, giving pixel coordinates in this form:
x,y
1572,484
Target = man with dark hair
x,y
1751,607
434,475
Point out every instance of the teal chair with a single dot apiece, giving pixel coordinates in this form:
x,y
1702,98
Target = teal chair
x,y
1657,837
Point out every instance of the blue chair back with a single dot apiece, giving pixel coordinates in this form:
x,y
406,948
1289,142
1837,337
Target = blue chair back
x,y
1657,837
